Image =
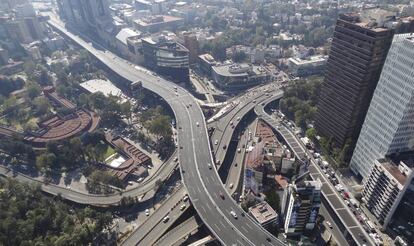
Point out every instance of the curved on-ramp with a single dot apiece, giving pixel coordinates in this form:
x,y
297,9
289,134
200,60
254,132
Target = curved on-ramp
x,y
203,184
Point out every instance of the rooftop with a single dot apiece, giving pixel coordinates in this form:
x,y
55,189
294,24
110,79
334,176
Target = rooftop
x,y
309,60
208,58
264,132
239,70
263,212
375,19
254,158
155,20
400,172
126,33
104,86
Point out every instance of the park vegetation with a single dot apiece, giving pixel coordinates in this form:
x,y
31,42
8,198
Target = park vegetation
x,y
300,99
28,217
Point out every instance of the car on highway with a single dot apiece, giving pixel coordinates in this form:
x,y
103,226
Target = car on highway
x,y
233,214
216,142
231,186
221,195
140,180
183,207
147,212
209,165
166,219
198,124
185,198
329,224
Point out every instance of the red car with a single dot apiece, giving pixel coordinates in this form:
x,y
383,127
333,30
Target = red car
x,y
346,195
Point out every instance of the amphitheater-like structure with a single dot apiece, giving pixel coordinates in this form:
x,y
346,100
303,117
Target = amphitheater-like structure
x,y
57,127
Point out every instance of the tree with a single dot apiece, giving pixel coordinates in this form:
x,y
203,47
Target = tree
x,y
46,162
33,90
272,197
41,105
311,133
160,126
31,218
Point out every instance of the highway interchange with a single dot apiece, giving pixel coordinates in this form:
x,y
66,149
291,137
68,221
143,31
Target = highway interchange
x,y
203,184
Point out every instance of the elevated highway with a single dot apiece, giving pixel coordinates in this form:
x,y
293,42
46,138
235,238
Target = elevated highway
x,y
351,228
203,184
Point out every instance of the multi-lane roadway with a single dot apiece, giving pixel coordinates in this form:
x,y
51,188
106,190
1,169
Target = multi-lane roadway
x,y
333,199
202,182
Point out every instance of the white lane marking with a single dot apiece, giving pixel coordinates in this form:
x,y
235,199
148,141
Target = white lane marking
x,y
218,228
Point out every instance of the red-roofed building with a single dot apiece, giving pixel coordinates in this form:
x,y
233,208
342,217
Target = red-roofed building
x,y
135,160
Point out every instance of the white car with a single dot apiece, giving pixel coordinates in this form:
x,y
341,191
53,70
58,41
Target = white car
x,y
233,214
216,142
198,124
182,207
147,212
329,224
166,218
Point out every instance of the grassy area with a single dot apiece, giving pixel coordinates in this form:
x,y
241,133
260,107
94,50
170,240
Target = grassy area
x,y
109,151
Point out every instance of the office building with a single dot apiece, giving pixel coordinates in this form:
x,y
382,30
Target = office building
x,y
157,23
307,66
167,57
300,206
359,47
389,125
18,31
205,63
191,43
264,214
385,187
239,76
86,14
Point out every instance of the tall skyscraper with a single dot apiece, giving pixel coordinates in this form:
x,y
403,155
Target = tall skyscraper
x,y
86,13
389,125
359,47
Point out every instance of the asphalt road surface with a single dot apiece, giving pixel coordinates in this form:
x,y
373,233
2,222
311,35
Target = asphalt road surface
x,y
203,184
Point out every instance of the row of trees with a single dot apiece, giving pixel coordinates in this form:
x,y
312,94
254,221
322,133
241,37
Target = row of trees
x,y
158,123
28,217
300,99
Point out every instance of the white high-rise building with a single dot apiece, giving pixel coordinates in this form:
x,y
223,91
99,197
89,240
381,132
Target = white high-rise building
x,y
389,124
